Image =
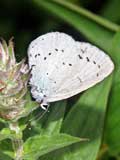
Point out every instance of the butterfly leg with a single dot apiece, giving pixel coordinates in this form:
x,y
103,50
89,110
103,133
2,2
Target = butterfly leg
x,y
44,105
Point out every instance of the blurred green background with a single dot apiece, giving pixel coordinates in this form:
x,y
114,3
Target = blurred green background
x,y
28,19
25,20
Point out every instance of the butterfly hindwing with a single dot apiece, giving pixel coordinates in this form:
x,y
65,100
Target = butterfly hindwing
x,y
62,67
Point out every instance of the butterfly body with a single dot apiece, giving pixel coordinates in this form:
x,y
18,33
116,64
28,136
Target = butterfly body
x,y
62,67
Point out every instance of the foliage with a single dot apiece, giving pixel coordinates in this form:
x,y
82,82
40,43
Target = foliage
x,y
85,127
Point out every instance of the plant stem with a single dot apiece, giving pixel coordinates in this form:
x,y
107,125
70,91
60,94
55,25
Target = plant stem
x,y
17,142
102,21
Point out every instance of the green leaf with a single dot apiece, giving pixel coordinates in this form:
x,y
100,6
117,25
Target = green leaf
x,y
6,133
102,38
87,14
6,148
48,124
4,156
54,119
39,145
2,121
111,10
112,135
94,32
86,120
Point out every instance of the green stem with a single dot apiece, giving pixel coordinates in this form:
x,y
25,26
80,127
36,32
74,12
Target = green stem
x,y
17,142
104,22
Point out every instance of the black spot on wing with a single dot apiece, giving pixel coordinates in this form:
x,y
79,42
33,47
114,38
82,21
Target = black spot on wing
x,y
88,60
56,49
83,50
33,65
45,58
98,66
80,57
79,79
97,74
49,53
94,62
70,64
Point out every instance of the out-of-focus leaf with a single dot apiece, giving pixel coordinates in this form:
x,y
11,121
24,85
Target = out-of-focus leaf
x,y
6,148
50,123
2,120
94,32
112,134
86,120
87,14
4,156
39,145
111,10
6,133
54,119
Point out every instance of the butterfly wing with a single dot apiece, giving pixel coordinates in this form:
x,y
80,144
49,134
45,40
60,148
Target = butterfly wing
x,y
90,66
64,67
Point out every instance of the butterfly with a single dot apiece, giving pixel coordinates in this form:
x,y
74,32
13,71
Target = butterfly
x,y
62,67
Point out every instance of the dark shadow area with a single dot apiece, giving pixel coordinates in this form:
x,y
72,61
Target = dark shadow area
x,y
25,21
